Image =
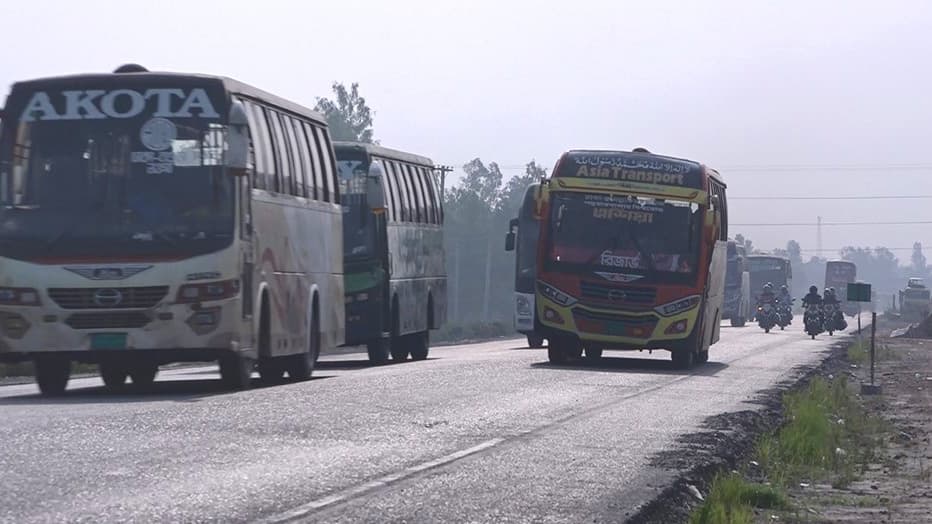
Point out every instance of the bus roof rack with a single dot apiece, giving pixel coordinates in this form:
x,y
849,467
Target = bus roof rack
x,y
131,68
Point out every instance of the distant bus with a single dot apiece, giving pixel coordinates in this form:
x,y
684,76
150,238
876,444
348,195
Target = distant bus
x,y
524,243
838,274
148,218
737,301
631,255
396,282
769,268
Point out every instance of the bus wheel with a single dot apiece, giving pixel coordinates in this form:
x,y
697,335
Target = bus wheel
x,y
301,366
113,374
143,375
535,341
703,356
561,350
399,349
271,370
378,351
683,359
236,370
420,345
593,354
52,374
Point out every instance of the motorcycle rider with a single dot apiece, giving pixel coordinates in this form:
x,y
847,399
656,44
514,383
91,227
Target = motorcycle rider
x,y
766,296
830,298
830,303
814,299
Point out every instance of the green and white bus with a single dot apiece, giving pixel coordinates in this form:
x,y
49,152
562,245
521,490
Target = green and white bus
x,y
148,218
395,272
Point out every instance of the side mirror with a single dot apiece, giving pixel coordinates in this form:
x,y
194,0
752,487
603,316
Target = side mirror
x,y
375,192
510,241
236,158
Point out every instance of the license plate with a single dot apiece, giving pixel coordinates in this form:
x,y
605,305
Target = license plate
x,y
108,341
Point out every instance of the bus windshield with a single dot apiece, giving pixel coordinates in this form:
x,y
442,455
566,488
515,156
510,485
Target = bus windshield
x,y
137,186
622,232
358,225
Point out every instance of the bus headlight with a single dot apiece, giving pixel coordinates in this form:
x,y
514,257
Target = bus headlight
x,y
19,296
678,306
555,294
191,293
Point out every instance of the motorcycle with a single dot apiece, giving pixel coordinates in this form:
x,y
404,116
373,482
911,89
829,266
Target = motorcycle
x,y
766,317
834,319
784,314
812,319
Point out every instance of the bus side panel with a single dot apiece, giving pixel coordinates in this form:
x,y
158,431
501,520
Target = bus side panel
x,y
716,295
418,272
299,248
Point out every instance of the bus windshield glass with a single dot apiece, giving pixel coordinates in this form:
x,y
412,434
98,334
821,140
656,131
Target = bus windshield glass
x,y
132,186
358,224
600,232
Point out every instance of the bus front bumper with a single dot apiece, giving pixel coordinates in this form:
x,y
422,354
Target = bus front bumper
x,y
181,331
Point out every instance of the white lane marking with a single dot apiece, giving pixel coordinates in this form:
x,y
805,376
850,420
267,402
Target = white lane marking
x,y
349,493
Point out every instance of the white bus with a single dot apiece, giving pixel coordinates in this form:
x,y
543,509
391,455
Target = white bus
x,y
148,218
395,272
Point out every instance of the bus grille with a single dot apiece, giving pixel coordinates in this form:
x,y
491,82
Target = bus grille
x,y
633,298
109,320
108,298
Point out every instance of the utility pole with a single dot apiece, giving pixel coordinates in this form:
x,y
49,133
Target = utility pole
x,y
443,178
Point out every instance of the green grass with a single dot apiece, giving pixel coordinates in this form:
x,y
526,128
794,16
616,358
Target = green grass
x,y
732,501
826,436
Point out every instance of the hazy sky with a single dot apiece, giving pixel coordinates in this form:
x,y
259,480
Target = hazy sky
x,y
840,91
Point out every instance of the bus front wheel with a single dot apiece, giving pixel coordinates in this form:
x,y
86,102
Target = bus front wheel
x,y
378,351
420,345
535,341
236,370
52,374
683,359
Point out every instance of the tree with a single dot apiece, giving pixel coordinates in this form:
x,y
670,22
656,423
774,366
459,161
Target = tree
x,y
348,115
919,260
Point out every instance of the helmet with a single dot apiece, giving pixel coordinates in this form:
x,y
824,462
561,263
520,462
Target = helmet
x,y
783,288
813,289
768,286
832,290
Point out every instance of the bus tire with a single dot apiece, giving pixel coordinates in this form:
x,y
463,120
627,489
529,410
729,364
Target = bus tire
x,y
143,375
419,345
301,366
703,356
684,358
399,345
593,354
535,341
52,374
113,374
271,370
236,370
378,351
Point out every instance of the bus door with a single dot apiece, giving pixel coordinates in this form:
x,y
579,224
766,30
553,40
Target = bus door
x,y
247,251
384,267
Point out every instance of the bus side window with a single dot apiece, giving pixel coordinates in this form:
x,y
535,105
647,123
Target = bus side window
x,y
422,191
281,153
431,196
400,189
326,173
331,163
265,161
392,191
407,193
724,201
411,175
297,158
317,184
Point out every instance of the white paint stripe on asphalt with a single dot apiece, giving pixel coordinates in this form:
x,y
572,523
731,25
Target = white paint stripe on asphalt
x,y
306,509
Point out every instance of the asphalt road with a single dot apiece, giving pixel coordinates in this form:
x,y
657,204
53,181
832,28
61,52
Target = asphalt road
x,y
480,433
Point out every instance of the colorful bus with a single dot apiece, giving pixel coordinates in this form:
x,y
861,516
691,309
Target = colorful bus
x,y
395,271
631,255
838,274
522,239
148,218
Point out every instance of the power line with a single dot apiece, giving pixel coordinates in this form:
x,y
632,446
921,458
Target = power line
x,y
815,224
848,197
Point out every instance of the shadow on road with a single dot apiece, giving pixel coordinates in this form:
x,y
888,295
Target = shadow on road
x,y
640,365
166,390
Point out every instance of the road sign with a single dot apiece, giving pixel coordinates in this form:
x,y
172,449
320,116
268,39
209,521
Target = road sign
x,y
859,292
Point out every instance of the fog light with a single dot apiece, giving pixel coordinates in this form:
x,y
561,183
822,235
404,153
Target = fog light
x,y
205,318
14,325
677,327
551,315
